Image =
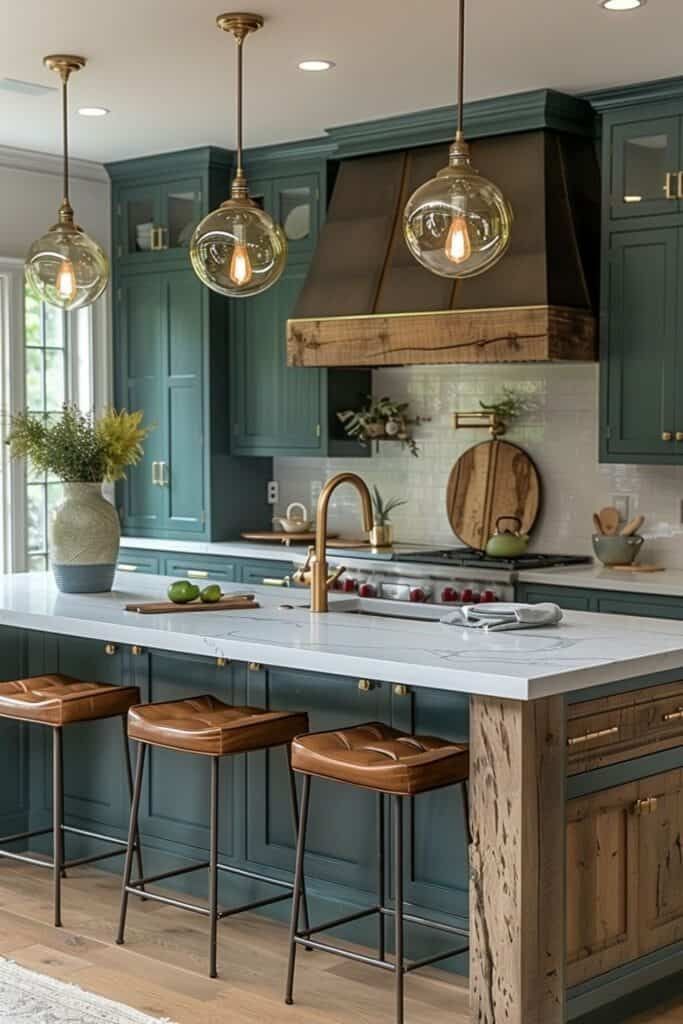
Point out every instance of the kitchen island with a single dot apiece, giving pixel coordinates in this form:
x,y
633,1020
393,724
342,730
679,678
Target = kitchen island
x,y
575,731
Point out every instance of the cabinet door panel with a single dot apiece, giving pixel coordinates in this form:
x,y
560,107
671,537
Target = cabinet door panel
x,y
181,210
200,569
296,207
642,341
138,212
184,490
141,328
342,824
642,154
602,882
300,418
661,862
574,600
634,604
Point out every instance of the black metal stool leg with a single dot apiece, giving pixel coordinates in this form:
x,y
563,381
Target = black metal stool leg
x,y
132,831
298,886
57,820
381,887
129,779
295,818
398,897
213,867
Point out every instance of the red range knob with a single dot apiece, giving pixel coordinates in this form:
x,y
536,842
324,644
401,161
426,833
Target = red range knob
x,y
449,594
367,590
488,595
350,586
467,596
417,595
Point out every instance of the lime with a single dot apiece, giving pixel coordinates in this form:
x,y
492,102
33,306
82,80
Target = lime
x,y
211,594
182,592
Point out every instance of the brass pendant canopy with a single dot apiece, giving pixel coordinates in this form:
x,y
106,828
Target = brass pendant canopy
x,y
458,224
65,267
238,250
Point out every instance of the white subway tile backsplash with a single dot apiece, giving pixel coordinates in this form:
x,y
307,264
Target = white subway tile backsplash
x,y
560,433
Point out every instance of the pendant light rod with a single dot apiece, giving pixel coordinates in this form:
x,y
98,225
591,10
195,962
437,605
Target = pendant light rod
x,y
460,134
240,25
64,65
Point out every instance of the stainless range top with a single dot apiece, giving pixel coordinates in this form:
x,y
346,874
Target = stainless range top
x,y
457,557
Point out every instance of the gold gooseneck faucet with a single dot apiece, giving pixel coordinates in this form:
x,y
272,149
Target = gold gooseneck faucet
x,y
318,563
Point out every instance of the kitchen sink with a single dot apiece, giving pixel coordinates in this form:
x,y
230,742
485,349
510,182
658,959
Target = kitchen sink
x,y
378,608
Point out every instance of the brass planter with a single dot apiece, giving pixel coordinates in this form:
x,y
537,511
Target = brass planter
x,y
382,536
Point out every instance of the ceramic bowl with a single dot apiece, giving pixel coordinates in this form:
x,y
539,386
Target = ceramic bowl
x,y
616,550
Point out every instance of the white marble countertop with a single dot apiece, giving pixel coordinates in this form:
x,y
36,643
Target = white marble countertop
x,y
586,649
668,583
218,548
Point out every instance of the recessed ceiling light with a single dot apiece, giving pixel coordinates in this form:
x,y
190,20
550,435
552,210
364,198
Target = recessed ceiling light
x,y
93,111
316,65
622,5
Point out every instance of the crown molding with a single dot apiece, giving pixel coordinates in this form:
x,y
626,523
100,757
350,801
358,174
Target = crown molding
x,y
50,163
639,92
177,161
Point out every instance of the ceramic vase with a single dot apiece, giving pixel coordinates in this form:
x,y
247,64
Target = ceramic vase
x,y
84,540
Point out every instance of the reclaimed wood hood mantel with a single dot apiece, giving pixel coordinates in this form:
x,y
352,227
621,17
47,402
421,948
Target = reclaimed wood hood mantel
x,y
366,302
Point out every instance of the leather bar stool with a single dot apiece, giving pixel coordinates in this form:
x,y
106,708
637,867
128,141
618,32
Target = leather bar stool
x,y
58,701
392,764
206,726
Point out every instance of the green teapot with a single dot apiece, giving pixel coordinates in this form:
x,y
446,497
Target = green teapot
x,y
507,543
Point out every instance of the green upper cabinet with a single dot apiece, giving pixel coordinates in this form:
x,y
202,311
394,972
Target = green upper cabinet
x,y
277,409
172,356
642,275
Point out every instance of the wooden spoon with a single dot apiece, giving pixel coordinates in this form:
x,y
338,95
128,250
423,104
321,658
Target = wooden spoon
x,y
609,518
633,526
597,523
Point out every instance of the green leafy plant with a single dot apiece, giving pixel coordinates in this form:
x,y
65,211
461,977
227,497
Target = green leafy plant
x,y
382,509
510,406
76,447
380,419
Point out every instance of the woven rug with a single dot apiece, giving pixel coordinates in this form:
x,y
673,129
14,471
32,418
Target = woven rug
x,y
29,998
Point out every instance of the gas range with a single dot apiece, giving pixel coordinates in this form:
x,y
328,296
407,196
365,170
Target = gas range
x,y
448,576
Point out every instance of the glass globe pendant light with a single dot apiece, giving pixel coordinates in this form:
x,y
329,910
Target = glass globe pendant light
x,y
65,267
458,224
238,250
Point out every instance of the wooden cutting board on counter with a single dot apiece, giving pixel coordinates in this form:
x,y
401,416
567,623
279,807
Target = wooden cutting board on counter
x,y
236,602
491,479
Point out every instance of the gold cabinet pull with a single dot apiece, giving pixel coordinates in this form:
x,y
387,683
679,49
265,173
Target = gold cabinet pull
x,y
647,805
599,734
255,666
110,649
679,179
401,690
156,480
159,238
198,574
126,567
667,435
273,581
673,716
364,685
136,651
222,662
667,186
679,435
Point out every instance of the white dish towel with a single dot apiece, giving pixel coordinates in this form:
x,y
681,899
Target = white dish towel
x,y
499,615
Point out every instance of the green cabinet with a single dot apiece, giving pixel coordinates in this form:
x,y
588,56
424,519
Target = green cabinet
x,y
171,354
642,273
611,602
279,409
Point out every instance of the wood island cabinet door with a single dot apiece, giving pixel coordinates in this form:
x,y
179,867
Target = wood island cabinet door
x,y
602,882
661,861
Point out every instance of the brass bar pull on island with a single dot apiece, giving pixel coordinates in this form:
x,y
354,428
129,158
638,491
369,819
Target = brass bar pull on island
x,y
667,186
673,716
198,574
679,179
647,805
667,435
597,735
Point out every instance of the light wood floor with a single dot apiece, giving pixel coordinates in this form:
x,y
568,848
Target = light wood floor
x,y
161,970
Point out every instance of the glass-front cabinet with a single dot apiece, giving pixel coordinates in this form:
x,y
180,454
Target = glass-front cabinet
x,y
154,219
647,167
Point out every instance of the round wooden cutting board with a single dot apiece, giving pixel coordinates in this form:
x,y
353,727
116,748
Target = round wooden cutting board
x,y
492,479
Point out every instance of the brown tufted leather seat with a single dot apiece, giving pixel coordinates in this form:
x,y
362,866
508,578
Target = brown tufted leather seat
x,y
380,758
58,700
205,725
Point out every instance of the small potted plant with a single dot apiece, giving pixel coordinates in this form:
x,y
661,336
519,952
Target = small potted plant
x,y
382,532
84,452
380,419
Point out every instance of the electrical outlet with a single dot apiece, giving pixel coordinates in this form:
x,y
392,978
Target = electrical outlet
x,y
622,503
273,492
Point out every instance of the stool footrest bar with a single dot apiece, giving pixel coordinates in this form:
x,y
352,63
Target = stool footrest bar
x,y
94,835
243,873
324,947
24,835
434,958
425,923
181,904
327,926
25,859
169,874
92,859
253,906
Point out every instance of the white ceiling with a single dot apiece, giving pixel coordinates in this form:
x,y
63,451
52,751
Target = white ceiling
x,y
166,72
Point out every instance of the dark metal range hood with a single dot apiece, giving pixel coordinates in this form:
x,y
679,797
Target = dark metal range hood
x,y
366,302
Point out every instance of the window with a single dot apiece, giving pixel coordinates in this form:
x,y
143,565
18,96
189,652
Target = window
x,y
57,369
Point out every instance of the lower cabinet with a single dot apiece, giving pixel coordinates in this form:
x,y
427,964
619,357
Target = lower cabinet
x,y
252,571
624,874
614,602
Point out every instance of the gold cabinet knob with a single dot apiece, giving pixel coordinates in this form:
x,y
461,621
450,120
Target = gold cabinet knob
x,y
667,435
110,649
255,666
679,435
135,650
364,685
401,690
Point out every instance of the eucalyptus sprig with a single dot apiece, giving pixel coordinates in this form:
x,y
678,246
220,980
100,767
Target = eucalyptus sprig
x,y
75,446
